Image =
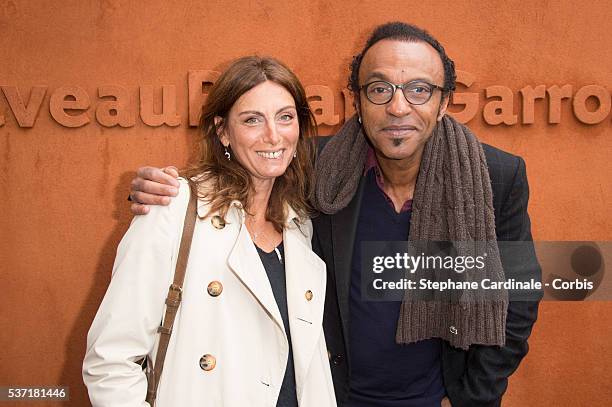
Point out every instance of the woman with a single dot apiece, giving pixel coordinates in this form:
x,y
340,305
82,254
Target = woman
x,y
249,329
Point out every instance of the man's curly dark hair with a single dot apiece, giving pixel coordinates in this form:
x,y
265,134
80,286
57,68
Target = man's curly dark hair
x,y
404,32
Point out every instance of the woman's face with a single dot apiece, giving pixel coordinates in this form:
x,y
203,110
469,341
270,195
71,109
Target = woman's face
x,y
262,130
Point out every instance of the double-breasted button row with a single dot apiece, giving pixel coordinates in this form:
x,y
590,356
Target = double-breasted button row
x,y
208,362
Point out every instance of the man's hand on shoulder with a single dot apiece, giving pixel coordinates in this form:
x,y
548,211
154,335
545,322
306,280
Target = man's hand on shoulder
x,y
153,186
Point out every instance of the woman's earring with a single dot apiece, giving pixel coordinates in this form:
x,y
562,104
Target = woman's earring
x,y
227,154
295,154
359,119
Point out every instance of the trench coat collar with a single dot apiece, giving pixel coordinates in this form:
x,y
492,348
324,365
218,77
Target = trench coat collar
x,y
292,219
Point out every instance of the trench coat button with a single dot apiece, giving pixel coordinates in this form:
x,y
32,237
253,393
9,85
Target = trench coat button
x,y
337,360
208,362
308,295
218,222
215,288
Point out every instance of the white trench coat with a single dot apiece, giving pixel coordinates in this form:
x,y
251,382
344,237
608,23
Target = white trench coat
x,y
241,328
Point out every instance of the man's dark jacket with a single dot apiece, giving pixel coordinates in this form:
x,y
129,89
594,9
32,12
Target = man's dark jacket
x,y
474,378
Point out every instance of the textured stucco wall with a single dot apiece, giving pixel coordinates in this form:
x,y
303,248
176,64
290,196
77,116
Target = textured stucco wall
x,y
63,207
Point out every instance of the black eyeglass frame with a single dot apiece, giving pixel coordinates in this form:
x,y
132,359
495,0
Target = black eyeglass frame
x,y
401,86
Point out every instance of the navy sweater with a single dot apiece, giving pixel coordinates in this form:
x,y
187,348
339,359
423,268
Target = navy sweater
x,y
383,373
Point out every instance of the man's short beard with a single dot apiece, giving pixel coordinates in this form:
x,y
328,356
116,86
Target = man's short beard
x,y
397,142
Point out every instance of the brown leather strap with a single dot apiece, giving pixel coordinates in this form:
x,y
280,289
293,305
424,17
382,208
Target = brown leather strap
x,y
173,300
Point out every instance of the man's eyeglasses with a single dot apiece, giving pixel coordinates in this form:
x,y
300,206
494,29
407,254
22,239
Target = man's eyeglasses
x,y
415,92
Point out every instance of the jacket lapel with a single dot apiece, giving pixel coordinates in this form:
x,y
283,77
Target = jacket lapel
x,y
246,265
344,229
305,273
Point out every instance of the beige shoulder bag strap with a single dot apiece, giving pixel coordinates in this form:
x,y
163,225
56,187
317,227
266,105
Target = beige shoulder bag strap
x,y
173,300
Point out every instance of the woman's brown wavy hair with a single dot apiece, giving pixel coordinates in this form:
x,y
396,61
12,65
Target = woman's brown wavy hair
x,y
220,181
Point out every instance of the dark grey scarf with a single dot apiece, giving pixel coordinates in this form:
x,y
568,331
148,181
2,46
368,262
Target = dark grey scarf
x,y
453,201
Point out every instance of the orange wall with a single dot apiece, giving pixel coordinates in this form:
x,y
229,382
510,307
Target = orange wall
x,y
63,207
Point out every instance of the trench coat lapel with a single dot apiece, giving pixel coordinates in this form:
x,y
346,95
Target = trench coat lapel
x,y
245,262
305,274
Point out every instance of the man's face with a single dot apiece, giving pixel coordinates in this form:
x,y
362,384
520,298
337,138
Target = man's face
x,y
399,130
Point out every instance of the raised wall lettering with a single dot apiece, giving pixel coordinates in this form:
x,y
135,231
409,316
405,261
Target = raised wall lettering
x,y
555,95
499,111
25,114
580,108
117,106
116,112
529,95
168,115
197,81
469,99
58,105
323,104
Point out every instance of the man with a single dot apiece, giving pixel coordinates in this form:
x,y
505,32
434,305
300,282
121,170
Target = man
x,y
404,170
